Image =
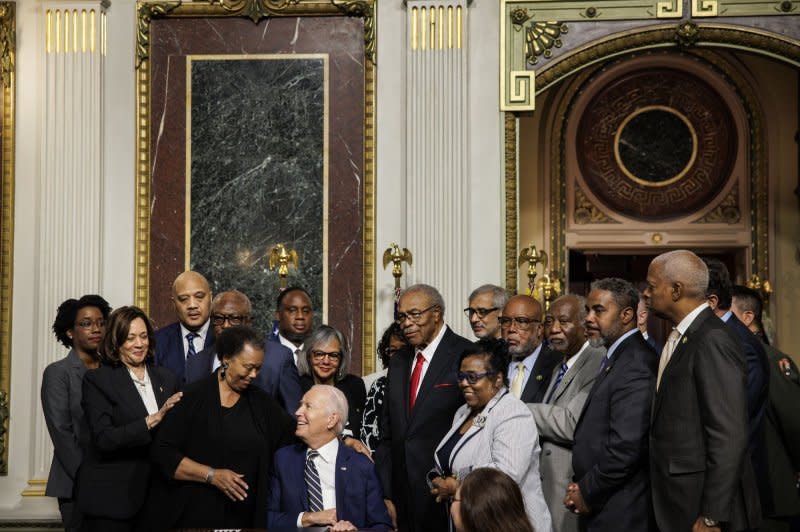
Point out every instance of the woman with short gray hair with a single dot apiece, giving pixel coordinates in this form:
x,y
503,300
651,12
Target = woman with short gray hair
x,y
325,359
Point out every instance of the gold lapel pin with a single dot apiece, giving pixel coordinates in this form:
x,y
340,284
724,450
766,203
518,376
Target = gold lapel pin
x,y
538,377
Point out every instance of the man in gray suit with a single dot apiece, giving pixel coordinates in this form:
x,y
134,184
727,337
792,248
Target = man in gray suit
x,y
557,416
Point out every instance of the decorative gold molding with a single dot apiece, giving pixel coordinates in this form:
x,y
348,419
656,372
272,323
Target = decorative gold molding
x,y
580,64
658,37
8,52
36,488
541,38
147,11
362,9
727,212
705,8
512,237
586,212
669,9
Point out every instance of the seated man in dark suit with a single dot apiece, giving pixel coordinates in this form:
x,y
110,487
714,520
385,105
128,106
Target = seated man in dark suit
x,y
610,455
278,376
320,482
191,297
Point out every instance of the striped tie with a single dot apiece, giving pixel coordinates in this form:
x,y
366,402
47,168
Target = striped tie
x,y
312,483
561,372
190,340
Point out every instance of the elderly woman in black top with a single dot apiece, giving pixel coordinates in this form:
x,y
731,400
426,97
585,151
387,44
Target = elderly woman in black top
x,y
217,445
325,359
79,325
124,400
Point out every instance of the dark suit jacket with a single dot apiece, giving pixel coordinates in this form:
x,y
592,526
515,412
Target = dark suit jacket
x,y
540,376
359,498
610,452
170,353
353,389
278,376
699,465
409,439
782,434
114,477
62,385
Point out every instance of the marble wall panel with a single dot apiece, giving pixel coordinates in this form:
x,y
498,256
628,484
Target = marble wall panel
x,y
261,112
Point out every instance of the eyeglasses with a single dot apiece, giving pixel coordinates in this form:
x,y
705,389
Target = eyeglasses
x,y
481,312
233,319
522,323
412,315
472,377
320,355
87,324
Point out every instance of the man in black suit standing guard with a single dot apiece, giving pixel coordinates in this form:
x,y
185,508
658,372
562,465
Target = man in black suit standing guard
x,y
422,396
610,452
700,473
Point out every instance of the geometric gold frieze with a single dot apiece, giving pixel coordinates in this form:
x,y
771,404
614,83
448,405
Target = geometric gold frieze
x,y
656,143
587,212
728,211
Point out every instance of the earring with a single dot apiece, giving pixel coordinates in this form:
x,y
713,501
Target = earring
x,y
224,368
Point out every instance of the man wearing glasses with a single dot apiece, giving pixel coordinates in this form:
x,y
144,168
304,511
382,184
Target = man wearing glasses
x,y
422,396
278,375
485,304
532,362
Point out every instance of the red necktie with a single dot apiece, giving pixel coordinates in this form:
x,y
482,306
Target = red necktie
x,y
415,376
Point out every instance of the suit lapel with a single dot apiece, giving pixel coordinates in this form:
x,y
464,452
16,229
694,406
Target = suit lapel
x,y
684,346
475,429
341,477
158,386
440,363
299,464
131,397
569,376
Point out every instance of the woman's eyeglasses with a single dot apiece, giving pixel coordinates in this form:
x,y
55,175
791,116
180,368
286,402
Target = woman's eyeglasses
x,y
319,355
471,377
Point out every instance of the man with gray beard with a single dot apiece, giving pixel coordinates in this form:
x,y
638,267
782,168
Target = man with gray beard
x,y
532,363
557,416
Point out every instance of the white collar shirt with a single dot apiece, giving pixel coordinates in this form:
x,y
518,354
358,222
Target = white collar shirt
x,y
325,463
528,363
427,356
686,322
199,341
576,356
295,349
145,389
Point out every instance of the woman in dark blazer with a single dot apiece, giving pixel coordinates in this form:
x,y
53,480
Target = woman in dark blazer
x,y
124,400
80,325
216,447
325,359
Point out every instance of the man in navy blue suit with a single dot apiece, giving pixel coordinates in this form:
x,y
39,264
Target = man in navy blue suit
x,y
610,454
320,482
720,299
278,375
191,297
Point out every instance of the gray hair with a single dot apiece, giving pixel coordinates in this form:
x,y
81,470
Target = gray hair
x,y
336,404
321,335
430,292
499,295
681,265
579,300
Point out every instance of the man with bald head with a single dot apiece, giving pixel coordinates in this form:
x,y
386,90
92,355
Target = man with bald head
x,y
191,298
557,416
532,363
277,376
700,472
422,396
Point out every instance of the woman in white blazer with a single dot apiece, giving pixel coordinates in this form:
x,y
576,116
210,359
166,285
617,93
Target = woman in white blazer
x,y
493,429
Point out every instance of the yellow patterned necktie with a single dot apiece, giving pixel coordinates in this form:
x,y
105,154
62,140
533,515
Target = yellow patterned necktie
x,y
666,354
516,384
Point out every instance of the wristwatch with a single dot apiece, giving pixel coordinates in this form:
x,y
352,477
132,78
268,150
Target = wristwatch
x,y
710,523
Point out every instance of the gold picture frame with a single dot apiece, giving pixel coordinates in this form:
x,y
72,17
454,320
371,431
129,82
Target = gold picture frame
x,y
256,10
